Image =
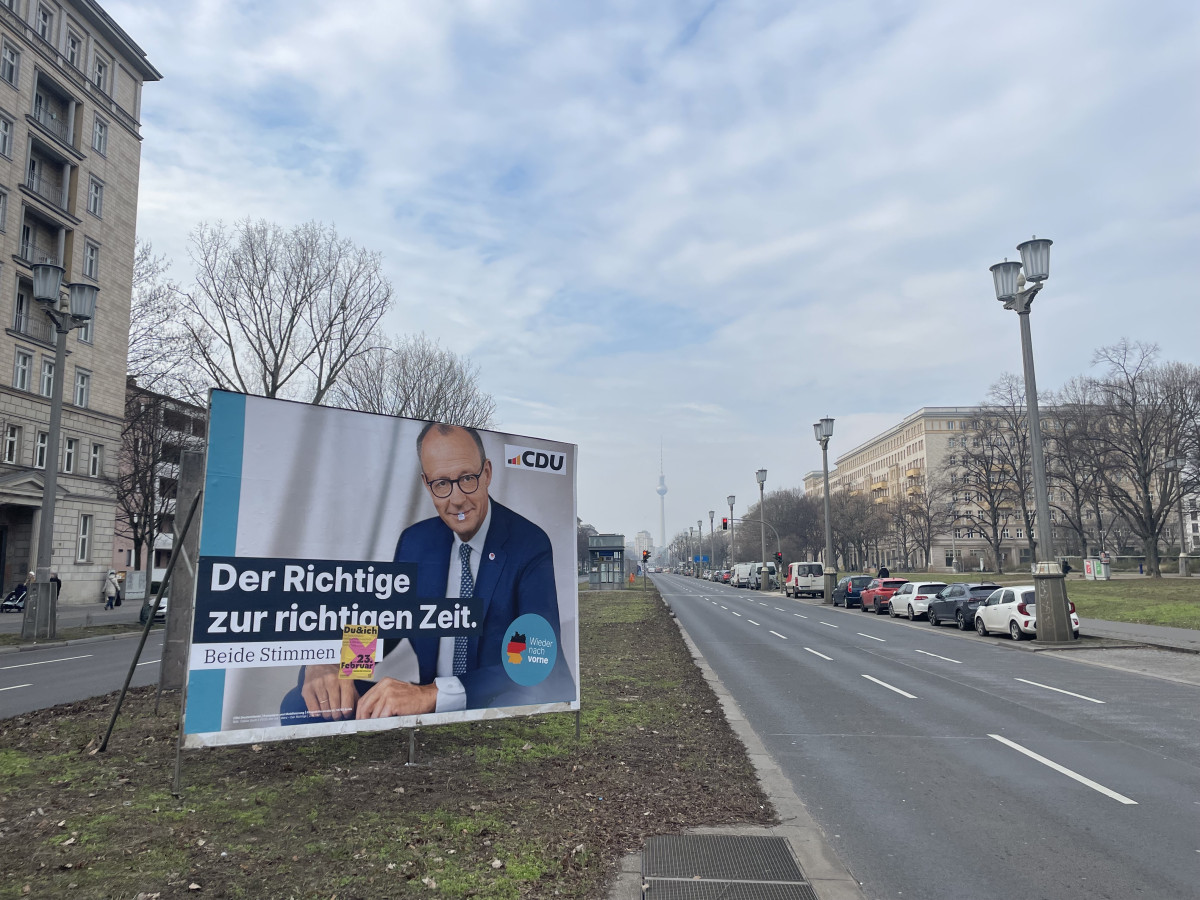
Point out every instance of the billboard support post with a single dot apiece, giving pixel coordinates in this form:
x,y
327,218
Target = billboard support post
x,y
150,621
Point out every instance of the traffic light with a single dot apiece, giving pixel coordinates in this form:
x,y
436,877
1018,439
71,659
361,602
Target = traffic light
x,y
725,524
645,555
778,558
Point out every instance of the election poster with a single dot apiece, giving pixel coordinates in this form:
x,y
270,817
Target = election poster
x,y
360,572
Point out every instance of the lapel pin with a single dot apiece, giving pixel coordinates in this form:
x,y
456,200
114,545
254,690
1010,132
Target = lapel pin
x,y
491,556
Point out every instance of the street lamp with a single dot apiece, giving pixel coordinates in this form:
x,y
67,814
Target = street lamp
x,y
732,542
1010,278
712,541
692,546
761,475
700,544
953,537
41,608
823,431
1178,464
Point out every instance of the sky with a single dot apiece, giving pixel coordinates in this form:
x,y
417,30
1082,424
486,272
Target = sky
x,y
702,226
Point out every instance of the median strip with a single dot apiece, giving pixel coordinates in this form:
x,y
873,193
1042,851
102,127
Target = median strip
x,y
1120,798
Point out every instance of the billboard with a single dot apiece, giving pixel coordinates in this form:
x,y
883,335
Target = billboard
x,y
360,572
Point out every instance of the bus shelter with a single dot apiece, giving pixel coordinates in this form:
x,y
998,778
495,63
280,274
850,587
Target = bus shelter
x,y
606,561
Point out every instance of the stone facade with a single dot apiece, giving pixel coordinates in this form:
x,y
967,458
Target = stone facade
x,y
70,154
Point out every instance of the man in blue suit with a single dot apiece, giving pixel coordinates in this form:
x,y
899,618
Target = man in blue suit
x,y
475,547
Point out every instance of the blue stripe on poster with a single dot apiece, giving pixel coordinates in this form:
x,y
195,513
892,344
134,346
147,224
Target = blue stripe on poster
x,y
223,474
205,700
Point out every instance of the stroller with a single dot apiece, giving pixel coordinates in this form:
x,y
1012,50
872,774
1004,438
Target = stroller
x,y
15,601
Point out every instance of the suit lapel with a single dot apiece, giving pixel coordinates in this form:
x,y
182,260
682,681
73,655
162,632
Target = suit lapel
x,y
491,564
431,576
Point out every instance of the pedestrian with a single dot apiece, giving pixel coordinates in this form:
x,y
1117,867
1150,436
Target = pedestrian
x,y
57,582
883,571
112,591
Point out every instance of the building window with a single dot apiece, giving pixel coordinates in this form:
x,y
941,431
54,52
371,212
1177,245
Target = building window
x,y
96,463
100,73
70,451
83,388
958,533
3,211
95,198
91,261
83,550
45,24
1004,533
22,366
47,385
10,64
84,332
39,450
12,444
1020,533
6,137
74,48
100,136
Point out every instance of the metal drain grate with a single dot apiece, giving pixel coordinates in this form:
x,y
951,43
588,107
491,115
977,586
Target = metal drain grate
x,y
722,867
720,857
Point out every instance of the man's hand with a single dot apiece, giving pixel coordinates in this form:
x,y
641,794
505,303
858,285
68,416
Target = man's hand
x,y
390,697
326,695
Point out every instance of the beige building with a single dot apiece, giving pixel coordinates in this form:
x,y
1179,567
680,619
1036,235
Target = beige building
x,y
70,153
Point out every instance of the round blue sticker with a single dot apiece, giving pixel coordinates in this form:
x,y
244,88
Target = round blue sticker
x,y
529,649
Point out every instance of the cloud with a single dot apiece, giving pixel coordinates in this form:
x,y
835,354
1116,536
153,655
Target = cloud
x,y
709,222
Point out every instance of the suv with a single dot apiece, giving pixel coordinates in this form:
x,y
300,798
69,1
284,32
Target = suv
x,y
879,593
958,602
848,591
913,598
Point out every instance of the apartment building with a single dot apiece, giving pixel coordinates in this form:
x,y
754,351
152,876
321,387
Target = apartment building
x,y
70,154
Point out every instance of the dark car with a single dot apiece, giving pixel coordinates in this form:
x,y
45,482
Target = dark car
x,y
878,594
848,591
957,603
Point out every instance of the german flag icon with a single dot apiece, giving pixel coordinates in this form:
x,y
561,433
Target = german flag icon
x,y
515,461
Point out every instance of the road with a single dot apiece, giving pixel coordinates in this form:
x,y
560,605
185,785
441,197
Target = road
x,y
946,765
35,679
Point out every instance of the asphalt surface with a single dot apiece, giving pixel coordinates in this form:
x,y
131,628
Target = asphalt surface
x,y
34,679
945,765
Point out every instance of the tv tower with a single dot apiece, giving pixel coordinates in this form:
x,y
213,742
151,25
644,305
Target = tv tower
x,y
662,501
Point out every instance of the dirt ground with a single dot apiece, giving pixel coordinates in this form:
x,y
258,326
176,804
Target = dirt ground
x,y
506,809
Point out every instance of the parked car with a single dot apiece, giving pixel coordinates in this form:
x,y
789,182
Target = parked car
x,y
148,604
848,591
1013,609
912,599
958,602
726,574
804,578
878,594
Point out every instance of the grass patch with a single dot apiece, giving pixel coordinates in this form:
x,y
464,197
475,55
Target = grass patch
x,y
506,809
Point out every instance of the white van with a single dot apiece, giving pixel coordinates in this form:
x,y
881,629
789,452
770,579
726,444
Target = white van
x,y
741,575
805,578
756,576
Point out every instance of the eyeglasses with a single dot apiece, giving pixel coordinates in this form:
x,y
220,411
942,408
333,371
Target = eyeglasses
x,y
444,487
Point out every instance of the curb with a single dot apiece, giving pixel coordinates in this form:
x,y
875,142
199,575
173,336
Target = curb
x,y
50,645
828,876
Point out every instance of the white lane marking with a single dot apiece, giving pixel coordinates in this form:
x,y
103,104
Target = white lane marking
x,y
1060,690
724,607
751,621
778,635
1120,798
738,614
890,687
777,609
798,616
946,658
15,686
829,624
815,653
45,661
150,662
872,637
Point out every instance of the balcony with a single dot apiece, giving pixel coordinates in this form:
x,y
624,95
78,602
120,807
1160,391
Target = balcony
x,y
33,252
50,191
880,485
914,472
34,326
52,122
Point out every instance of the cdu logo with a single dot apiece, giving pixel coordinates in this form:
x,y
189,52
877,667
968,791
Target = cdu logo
x,y
537,460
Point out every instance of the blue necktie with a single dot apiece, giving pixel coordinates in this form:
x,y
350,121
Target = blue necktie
x,y
466,589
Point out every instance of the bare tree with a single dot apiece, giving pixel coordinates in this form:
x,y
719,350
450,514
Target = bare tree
x,y
929,510
157,429
1075,464
858,524
1148,420
281,312
1007,426
415,377
986,484
157,346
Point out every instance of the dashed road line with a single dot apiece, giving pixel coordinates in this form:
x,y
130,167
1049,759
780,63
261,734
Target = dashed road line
x,y
15,686
752,622
45,662
871,636
890,687
778,635
946,658
1060,690
830,624
1120,798
815,653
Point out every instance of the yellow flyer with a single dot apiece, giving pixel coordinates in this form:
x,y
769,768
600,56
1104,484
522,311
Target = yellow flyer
x,y
359,646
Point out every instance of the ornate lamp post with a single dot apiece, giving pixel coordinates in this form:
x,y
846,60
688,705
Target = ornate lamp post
x,y
712,541
41,611
761,475
732,542
823,431
1010,278
1179,464
700,545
